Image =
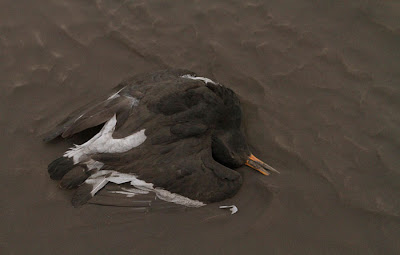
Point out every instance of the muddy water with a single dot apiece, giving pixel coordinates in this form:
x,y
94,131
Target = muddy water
x,y
319,81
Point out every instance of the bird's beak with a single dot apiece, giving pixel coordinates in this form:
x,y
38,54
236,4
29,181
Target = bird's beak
x,y
260,166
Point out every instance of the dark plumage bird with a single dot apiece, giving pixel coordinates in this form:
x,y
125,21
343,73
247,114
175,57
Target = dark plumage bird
x,y
168,132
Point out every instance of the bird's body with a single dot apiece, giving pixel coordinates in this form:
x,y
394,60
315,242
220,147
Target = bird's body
x,y
169,132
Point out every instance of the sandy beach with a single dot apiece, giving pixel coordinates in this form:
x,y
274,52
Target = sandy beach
x,y
319,85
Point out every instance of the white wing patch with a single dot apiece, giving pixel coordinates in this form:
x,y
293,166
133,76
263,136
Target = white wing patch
x,y
103,142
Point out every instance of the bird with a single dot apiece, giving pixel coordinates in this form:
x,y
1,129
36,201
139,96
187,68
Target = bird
x,y
170,132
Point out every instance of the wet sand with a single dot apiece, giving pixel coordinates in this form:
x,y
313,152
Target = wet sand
x,y
319,82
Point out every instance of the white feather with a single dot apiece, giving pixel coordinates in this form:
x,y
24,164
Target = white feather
x,y
205,80
232,208
128,194
115,95
97,183
102,177
134,190
103,142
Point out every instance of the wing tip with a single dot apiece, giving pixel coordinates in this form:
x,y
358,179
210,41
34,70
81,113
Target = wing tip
x,y
50,136
82,195
59,167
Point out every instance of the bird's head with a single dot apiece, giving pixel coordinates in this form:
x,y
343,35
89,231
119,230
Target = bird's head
x,y
230,149
229,146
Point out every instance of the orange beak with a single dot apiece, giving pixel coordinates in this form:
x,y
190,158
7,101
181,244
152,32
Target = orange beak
x,y
260,166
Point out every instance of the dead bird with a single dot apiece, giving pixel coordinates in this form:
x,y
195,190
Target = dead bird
x,y
169,132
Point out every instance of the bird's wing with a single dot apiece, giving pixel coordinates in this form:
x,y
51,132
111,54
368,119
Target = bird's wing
x,y
184,167
94,114
119,103
125,196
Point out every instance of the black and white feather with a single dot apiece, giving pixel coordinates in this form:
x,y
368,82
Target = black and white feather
x,y
168,132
